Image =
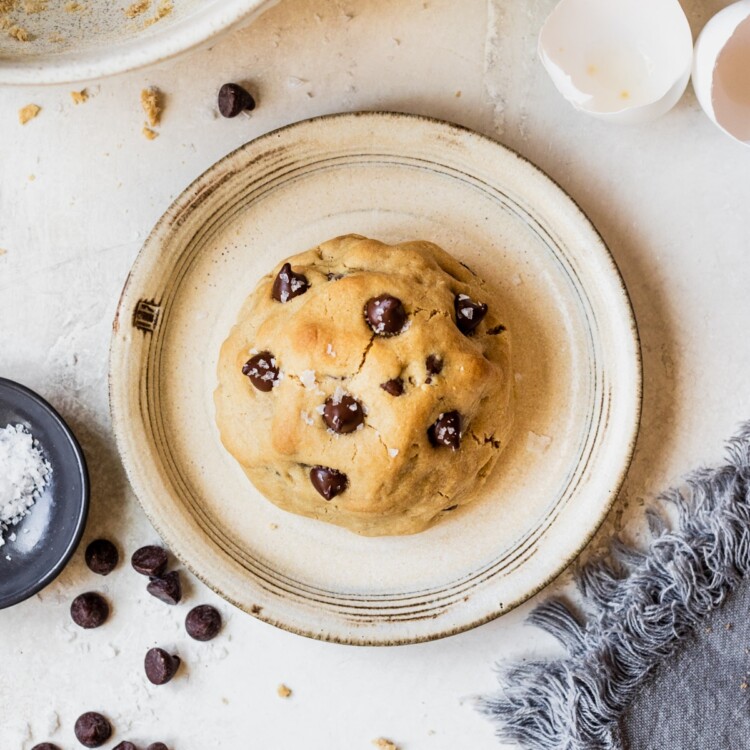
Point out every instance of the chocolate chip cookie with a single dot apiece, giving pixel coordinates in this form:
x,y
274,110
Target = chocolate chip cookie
x,y
367,385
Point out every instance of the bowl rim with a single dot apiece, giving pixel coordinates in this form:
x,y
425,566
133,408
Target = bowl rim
x,y
184,35
58,567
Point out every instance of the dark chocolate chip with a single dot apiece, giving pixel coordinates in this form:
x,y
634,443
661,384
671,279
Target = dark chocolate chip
x,y
469,314
102,556
233,99
203,622
125,745
166,588
434,365
157,746
446,431
328,482
343,415
288,284
450,507
89,610
385,315
45,746
262,371
394,387
92,729
160,666
496,330
149,561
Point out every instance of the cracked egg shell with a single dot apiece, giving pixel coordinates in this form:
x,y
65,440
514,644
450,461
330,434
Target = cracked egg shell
x,y
624,61
720,70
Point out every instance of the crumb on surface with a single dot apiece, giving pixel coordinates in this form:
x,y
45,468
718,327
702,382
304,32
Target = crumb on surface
x,y
152,105
274,526
34,6
134,10
32,177
73,7
56,38
283,691
458,94
7,6
3,251
18,33
79,97
163,9
384,744
148,133
29,112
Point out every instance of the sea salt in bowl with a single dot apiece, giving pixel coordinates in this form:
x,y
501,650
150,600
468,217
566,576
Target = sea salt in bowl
x,y
39,546
721,70
625,61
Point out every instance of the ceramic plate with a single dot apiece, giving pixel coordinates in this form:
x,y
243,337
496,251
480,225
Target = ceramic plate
x,y
79,41
393,177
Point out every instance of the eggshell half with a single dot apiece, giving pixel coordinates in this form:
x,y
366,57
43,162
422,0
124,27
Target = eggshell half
x,y
721,70
619,60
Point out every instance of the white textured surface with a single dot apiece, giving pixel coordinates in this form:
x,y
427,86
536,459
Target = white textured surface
x,y
670,199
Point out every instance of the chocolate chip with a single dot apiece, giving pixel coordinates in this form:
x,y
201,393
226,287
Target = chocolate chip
x,y
160,666
334,276
150,560
262,371
328,482
343,415
166,588
92,729
203,622
446,431
288,284
469,314
233,99
496,330
395,386
125,745
157,746
450,507
385,315
89,610
45,746
434,366
102,556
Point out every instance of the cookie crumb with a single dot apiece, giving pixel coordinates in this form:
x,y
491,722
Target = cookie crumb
x,y
274,526
283,691
32,177
34,6
29,112
149,134
458,94
56,38
135,10
163,9
73,7
152,105
743,685
384,744
19,33
6,6
3,251
79,97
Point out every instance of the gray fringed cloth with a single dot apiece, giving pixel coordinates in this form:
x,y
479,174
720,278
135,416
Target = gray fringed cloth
x,y
640,606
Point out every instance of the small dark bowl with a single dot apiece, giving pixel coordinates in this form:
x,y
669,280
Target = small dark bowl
x,y
48,536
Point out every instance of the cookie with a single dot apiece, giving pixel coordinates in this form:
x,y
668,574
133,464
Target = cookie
x,y
367,385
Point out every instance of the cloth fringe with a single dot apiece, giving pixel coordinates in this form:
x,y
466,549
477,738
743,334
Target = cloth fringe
x,y
640,604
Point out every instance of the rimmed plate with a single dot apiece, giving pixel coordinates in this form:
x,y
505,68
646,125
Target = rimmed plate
x,y
394,177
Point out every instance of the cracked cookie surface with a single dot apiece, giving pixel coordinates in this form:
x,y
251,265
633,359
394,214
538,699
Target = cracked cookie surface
x,y
390,397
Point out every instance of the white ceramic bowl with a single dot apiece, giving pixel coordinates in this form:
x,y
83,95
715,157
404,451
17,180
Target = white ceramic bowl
x,y
97,38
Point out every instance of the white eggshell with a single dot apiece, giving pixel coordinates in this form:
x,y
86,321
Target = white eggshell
x,y
619,60
721,70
